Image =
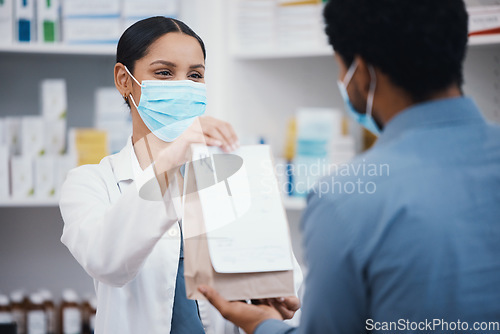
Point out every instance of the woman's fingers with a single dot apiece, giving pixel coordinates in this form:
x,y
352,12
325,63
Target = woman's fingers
x,y
219,132
212,141
228,134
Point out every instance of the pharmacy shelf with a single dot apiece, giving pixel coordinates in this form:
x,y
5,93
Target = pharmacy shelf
x,y
34,202
60,48
484,40
294,203
258,53
270,53
326,51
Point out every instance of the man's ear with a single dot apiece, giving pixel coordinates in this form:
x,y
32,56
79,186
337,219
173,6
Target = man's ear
x,y
122,80
363,77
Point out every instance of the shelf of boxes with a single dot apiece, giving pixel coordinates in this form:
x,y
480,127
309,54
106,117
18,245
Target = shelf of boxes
x,y
256,53
267,52
326,51
60,49
270,30
73,27
271,53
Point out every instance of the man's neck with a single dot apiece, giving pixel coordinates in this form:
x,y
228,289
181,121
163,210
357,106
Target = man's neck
x,y
403,101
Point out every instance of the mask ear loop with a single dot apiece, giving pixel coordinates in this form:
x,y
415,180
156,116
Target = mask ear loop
x,y
371,95
131,97
350,73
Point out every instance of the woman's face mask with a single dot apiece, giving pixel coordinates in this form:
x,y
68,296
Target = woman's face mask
x,y
168,108
366,120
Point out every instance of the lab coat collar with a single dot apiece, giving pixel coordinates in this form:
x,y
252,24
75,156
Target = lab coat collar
x,y
121,164
443,112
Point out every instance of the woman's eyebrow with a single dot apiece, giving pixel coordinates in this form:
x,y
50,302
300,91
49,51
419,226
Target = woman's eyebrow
x,y
163,62
197,66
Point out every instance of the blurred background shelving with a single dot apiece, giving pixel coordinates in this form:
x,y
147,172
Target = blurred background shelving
x,y
60,49
290,203
257,89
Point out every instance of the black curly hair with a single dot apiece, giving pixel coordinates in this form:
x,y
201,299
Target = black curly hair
x,y
420,44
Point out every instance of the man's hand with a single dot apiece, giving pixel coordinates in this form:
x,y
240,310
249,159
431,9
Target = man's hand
x,y
249,316
286,306
219,133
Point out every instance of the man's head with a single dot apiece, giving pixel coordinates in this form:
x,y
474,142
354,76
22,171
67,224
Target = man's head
x,y
419,45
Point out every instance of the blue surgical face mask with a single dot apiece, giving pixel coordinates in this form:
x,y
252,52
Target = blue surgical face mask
x,y
168,108
366,120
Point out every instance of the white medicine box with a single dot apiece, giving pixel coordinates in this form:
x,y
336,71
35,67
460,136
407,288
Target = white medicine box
x,y
91,21
25,22
44,177
32,136
133,10
484,20
12,136
54,99
55,137
4,172
6,21
48,20
21,168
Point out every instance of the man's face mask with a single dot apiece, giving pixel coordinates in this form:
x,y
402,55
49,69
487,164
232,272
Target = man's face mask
x,y
366,120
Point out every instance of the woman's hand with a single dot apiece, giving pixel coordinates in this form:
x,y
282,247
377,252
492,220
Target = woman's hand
x,y
219,133
178,152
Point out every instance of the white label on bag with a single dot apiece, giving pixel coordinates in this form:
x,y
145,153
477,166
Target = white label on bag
x,y
51,321
18,316
247,228
92,323
5,317
36,322
72,320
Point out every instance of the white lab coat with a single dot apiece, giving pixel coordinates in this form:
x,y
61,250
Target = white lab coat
x,y
130,247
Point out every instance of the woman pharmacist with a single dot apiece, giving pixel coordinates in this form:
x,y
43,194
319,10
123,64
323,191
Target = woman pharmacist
x,y
123,230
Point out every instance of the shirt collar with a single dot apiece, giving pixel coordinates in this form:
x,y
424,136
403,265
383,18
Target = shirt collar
x,y
136,167
450,111
126,165
122,162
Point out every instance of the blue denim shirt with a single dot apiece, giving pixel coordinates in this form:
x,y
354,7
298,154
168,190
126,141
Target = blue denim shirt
x,y
416,243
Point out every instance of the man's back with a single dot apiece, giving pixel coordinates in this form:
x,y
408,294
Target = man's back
x,y
418,238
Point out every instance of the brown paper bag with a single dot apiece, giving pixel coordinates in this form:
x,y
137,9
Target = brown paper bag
x,y
198,267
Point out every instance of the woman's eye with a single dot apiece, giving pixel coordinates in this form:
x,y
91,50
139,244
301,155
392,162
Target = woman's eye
x,y
196,76
163,73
